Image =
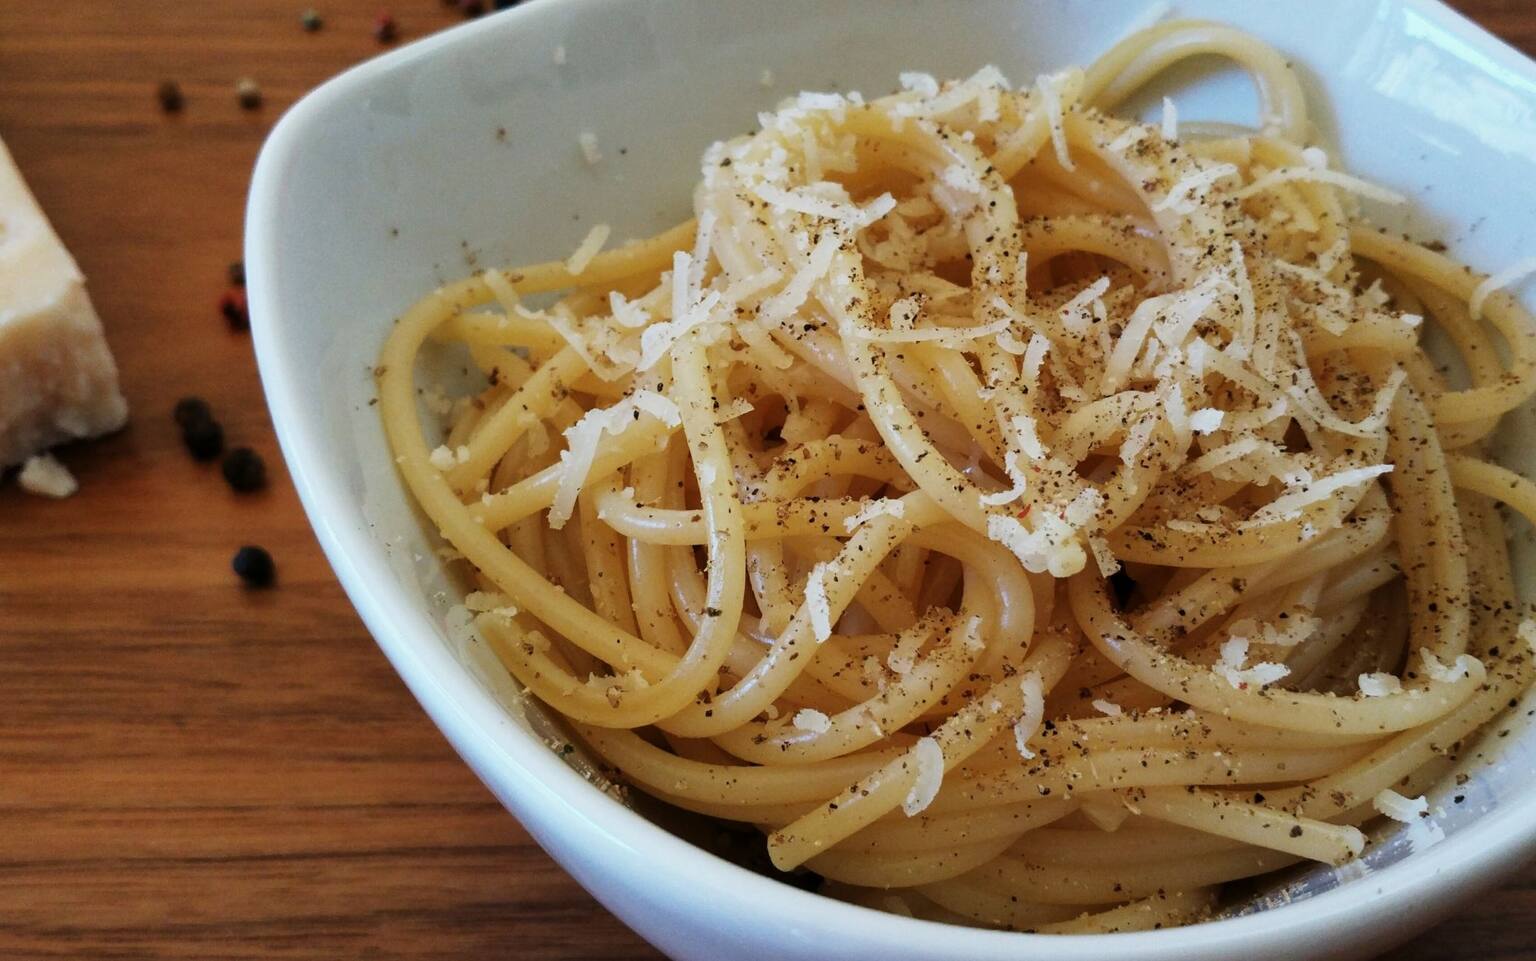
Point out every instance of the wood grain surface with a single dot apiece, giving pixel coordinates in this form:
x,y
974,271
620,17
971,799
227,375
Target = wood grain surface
x,y
189,769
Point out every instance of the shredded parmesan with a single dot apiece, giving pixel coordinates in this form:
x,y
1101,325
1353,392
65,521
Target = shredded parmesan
x,y
1181,197
1170,120
812,720
1465,665
587,140
45,476
1379,684
1320,175
442,458
922,84
1400,808
482,601
1207,420
1031,714
1050,86
817,605
587,249
1234,653
884,506
1527,633
583,437
1291,504
1513,274
1105,558
1107,708
929,760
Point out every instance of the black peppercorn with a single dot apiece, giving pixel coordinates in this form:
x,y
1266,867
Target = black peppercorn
x,y
244,470
385,30
204,439
192,410
310,20
248,93
169,94
254,566
232,306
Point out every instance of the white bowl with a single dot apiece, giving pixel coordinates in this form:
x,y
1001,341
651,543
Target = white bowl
x,y
463,149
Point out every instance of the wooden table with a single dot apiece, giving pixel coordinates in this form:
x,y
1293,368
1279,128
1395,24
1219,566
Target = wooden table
x,y
187,768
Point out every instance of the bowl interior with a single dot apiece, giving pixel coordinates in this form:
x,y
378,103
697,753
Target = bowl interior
x,y
464,151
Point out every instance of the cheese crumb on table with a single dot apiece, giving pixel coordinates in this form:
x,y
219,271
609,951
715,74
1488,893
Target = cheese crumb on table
x,y
57,378
44,475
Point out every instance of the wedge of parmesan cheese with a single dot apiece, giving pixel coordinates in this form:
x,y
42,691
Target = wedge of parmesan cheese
x,y
57,379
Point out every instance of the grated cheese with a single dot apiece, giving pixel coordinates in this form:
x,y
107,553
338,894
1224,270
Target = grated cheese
x,y
812,720
1022,427
587,140
929,759
1465,665
922,84
884,506
1513,274
1527,633
817,605
1031,714
1049,86
1182,196
1019,480
1399,808
583,437
587,249
1290,504
1379,684
1034,356
1107,708
1105,558
1333,178
1206,420
44,475
1170,120
1076,313
782,305
1234,653
1049,548
442,458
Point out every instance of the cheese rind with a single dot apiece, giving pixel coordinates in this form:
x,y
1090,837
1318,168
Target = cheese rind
x,y
57,378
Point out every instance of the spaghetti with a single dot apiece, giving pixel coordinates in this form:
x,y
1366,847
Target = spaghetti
x,y
1026,517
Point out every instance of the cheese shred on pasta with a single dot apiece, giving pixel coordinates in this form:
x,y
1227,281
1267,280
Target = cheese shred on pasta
x,y
978,473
